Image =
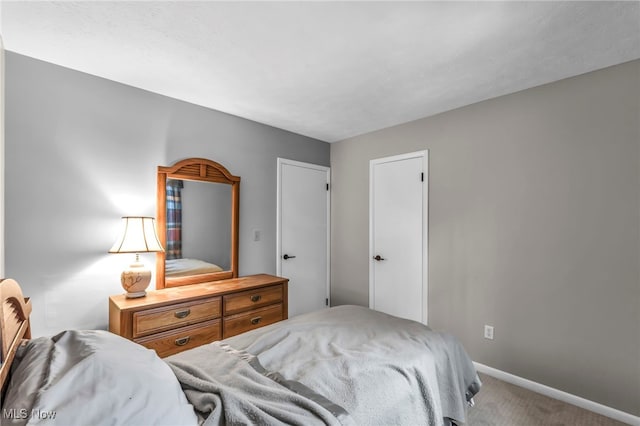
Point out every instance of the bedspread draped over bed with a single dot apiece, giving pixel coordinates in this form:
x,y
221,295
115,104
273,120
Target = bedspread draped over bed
x,y
379,368
227,386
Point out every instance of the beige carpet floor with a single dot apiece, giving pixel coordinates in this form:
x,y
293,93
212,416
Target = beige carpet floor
x,y
502,404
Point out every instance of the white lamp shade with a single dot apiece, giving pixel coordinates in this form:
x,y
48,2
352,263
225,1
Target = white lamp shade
x,y
138,235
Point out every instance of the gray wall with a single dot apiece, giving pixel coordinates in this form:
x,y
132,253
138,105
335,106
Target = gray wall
x,y
534,228
82,151
1,158
206,217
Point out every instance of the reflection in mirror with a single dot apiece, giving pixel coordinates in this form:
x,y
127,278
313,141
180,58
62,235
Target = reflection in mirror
x,y
197,212
198,222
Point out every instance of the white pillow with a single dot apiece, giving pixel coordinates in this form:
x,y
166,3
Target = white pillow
x,y
93,377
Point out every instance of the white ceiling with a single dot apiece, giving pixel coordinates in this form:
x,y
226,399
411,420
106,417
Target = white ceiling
x,y
329,70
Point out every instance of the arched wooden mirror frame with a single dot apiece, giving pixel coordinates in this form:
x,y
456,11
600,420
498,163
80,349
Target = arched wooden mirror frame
x,y
200,170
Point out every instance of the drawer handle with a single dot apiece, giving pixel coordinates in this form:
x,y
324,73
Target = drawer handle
x,y
256,320
256,298
183,341
183,314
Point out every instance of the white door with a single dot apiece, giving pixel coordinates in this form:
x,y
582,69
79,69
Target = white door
x,y
303,234
398,235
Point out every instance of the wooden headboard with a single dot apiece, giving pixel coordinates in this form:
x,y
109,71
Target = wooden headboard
x,y
14,324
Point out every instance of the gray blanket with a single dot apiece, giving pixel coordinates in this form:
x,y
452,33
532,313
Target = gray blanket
x,y
227,386
381,369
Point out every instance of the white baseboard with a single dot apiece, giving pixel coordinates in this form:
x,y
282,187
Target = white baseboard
x,y
612,413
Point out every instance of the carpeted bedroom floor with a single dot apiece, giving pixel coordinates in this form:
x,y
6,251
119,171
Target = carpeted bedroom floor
x,y
502,404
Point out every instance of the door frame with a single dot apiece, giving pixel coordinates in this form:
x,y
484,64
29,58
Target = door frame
x,y
424,154
327,170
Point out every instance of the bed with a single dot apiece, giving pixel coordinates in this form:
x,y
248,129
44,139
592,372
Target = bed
x,y
183,267
346,365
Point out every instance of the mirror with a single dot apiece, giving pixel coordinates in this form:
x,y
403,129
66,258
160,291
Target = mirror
x,y
197,216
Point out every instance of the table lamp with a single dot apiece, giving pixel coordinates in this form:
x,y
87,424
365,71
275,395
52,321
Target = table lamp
x,y
138,235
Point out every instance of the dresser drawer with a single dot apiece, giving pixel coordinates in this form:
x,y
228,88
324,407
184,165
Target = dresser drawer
x,y
256,318
151,321
245,300
172,342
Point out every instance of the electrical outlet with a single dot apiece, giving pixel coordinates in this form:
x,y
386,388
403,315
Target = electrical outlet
x,y
256,235
488,332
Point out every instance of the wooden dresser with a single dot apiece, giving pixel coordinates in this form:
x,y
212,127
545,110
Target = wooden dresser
x,y
179,318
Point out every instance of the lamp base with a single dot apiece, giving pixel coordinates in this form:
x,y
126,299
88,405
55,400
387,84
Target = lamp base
x,y
135,280
136,294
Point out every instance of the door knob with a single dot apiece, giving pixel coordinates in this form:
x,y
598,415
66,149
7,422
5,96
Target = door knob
x,y
286,256
378,257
